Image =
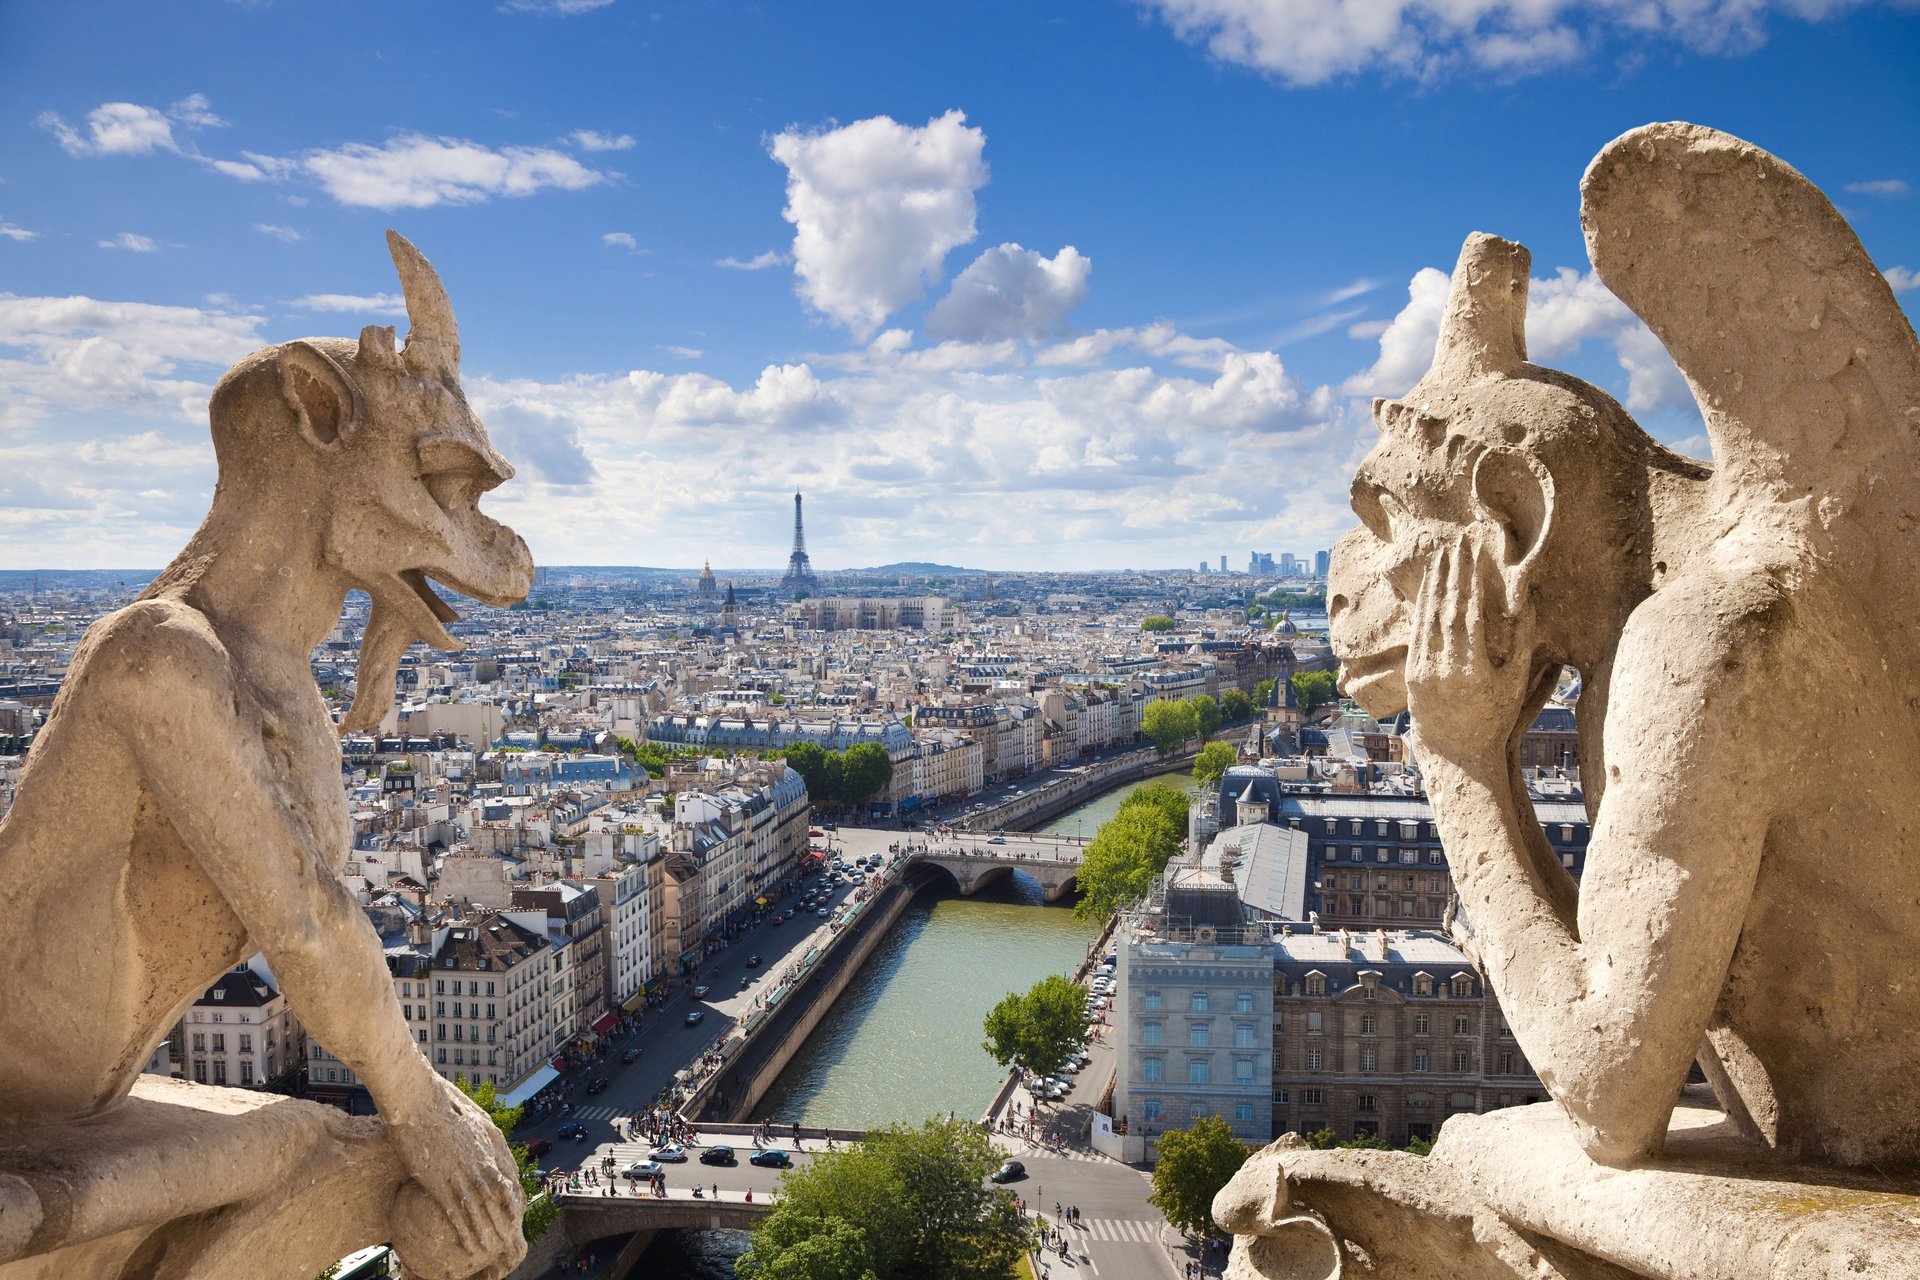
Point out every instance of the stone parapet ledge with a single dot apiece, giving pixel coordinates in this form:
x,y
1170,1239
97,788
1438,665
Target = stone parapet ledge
x,y
186,1180
1715,1206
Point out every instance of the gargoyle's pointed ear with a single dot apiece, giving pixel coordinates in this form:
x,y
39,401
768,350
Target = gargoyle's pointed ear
x,y
1514,491
1485,326
326,402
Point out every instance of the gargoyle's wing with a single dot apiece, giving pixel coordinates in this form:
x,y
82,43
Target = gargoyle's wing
x,y
1805,368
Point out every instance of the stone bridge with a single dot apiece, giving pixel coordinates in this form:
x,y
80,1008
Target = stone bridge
x,y
619,1228
973,860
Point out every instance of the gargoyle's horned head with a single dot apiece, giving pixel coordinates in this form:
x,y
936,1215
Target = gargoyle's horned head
x,y
390,462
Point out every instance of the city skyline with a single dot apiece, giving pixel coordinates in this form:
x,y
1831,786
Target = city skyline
x,y
853,251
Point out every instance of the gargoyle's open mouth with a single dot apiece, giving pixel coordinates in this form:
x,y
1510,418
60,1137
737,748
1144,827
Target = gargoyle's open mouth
x,y
425,612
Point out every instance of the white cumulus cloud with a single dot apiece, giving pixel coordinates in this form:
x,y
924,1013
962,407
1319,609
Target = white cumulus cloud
x,y
1011,292
1901,278
876,206
132,242
1310,42
619,240
129,129
1564,311
10,232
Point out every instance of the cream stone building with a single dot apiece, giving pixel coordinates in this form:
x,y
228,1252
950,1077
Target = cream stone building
x,y
241,1032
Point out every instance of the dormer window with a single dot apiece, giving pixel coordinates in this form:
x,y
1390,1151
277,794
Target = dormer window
x,y
1316,983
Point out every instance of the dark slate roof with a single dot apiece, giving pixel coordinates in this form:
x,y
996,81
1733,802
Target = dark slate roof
x,y
241,987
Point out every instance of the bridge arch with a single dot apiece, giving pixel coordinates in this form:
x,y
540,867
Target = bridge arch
x,y
923,873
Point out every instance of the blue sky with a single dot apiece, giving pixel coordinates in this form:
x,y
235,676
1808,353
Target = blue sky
x,y
1012,285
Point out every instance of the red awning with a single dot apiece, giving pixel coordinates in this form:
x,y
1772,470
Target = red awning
x,y
604,1023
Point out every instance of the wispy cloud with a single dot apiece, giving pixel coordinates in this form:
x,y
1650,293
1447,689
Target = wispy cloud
x,y
619,240
1878,187
1334,297
593,140
132,242
685,353
10,232
562,8
286,235
759,262
386,304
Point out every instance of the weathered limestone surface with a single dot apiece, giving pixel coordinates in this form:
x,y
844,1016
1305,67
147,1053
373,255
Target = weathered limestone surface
x,y
182,810
1748,637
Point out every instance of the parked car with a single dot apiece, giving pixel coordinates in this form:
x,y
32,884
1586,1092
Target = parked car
x,y
572,1129
998,840
753,961
671,1153
629,1055
598,1084
1009,1171
823,912
717,1155
696,1016
699,993
538,1147
771,1158
643,1169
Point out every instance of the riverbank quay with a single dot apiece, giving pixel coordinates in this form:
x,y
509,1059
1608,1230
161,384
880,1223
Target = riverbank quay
x,y
1050,794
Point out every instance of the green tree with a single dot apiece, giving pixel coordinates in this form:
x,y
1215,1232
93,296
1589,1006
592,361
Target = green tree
x,y
864,769
1314,688
1419,1146
1213,762
1206,714
1323,1139
790,1247
1263,693
541,1210
1157,622
1235,705
1194,1164
902,1204
1169,724
1171,804
1038,1031
819,768
1364,1141
1130,849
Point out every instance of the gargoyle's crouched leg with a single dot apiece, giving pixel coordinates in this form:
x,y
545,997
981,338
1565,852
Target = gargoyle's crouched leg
x,y
1301,1214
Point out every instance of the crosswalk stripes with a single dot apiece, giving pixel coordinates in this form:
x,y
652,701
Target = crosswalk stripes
x,y
1121,1229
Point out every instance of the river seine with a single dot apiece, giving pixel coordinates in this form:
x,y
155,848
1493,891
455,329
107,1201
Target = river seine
x,y
902,1042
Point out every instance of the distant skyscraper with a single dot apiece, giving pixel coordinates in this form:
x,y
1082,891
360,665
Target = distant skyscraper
x,y
799,568
1203,566
1223,564
1287,565
1321,559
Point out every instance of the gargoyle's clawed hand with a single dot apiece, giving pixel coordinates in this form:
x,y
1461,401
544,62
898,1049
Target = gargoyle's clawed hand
x,y
460,1217
1469,676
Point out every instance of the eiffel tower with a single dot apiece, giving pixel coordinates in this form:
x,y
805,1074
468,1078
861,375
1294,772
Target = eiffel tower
x,y
799,568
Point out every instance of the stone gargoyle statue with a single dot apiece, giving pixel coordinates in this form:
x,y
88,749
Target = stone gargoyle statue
x,y
1749,716
183,810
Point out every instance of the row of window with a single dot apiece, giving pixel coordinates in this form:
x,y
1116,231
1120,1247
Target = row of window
x,y
1200,1034
1201,1001
1154,1111
1460,985
1199,1071
244,1041
1370,1102
220,1072
1370,1023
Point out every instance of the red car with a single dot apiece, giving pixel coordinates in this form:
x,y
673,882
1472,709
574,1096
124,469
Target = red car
x,y
539,1147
